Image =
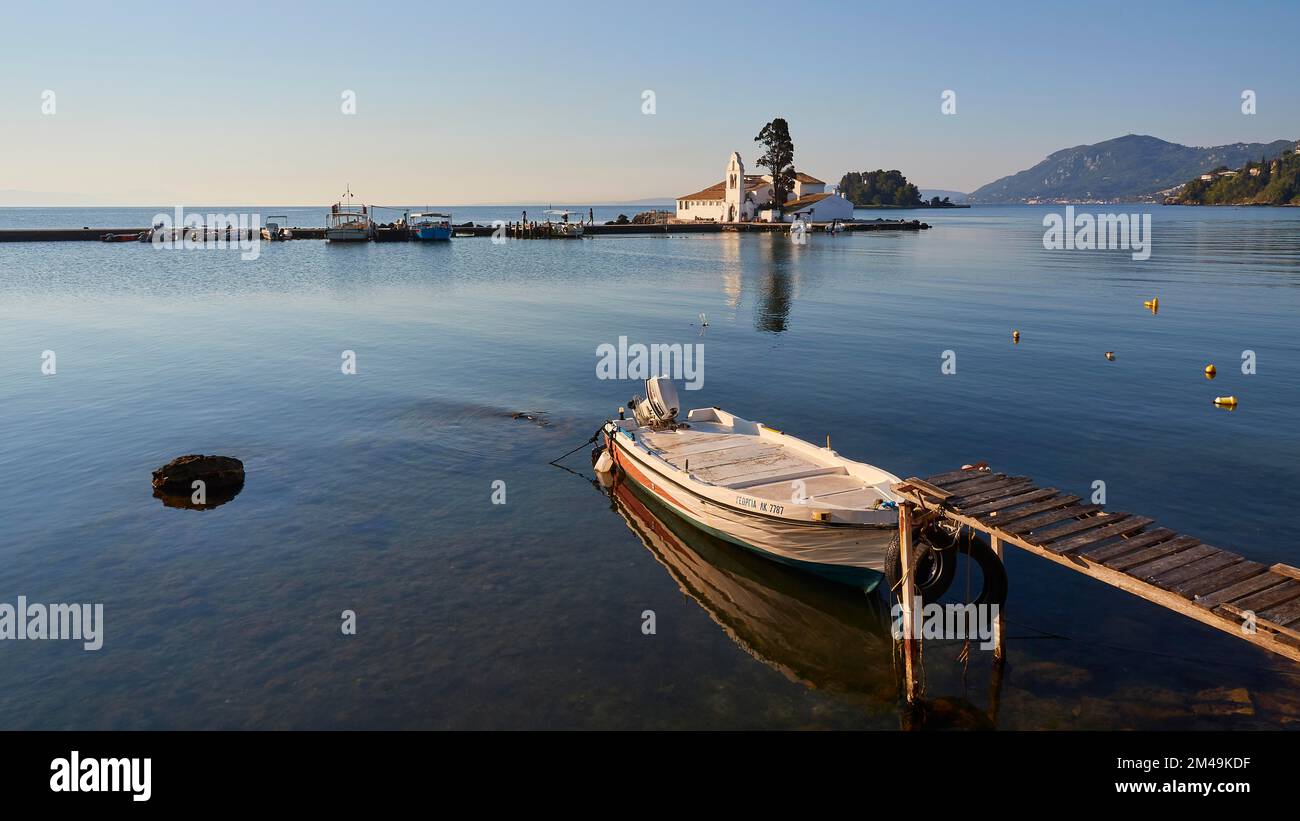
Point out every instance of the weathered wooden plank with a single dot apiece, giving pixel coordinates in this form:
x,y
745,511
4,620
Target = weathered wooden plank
x,y
1255,584
1042,520
976,483
1149,570
1270,598
1132,524
920,487
942,479
1219,579
1287,614
1008,516
965,490
1262,624
1010,501
1196,570
1286,570
1100,553
1000,492
1281,631
1057,532
1123,561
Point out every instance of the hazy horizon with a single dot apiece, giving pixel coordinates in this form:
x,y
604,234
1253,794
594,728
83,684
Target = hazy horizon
x,y
109,108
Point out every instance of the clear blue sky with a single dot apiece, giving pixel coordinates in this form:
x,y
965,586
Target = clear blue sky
x,y
510,102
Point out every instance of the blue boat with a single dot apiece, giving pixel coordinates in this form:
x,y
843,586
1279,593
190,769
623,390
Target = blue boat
x,y
430,226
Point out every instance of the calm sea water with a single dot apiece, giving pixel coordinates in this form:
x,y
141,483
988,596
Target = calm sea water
x,y
372,492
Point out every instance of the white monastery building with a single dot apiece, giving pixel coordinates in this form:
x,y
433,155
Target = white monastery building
x,y
742,197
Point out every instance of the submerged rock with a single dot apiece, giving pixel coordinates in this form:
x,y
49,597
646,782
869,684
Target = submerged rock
x,y
222,478
1224,701
532,416
219,473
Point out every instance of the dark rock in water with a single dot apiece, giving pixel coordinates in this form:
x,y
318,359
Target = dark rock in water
x,y
211,499
218,473
532,416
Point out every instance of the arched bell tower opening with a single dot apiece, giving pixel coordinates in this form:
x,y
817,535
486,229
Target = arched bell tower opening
x,y
735,188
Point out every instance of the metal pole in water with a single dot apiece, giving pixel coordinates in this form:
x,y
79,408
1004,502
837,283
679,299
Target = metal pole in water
x,y
999,652
907,594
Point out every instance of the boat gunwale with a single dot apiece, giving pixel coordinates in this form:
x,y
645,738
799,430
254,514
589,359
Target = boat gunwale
x,y
632,452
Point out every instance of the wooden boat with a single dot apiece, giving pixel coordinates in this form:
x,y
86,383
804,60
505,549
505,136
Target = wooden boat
x,y
757,487
347,222
430,226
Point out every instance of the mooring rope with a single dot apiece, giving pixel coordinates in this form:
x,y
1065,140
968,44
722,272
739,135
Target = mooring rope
x,y
593,438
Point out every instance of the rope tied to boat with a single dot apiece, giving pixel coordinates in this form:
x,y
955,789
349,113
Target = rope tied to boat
x,y
593,438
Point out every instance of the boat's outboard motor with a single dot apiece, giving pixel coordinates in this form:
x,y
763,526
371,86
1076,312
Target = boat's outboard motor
x,y
659,407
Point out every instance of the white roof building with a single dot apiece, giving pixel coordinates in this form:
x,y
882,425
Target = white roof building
x,y
742,197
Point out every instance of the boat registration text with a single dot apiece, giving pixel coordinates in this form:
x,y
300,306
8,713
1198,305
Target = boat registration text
x,y
759,505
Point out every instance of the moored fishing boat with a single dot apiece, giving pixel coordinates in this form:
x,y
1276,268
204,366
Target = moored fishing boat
x,y
348,222
430,226
757,487
560,223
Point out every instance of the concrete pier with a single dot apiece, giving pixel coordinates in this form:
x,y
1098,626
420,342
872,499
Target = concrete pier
x,y
96,234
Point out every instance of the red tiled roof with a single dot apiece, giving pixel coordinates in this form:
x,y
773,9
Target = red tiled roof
x,y
716,191
795,205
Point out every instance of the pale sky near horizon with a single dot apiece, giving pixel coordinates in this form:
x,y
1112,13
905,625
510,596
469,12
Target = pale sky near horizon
x,y
542,102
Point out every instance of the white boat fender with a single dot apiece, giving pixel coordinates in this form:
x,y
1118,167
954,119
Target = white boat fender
x,y
604,464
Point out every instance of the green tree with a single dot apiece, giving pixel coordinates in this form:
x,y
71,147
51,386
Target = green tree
x,y
778,158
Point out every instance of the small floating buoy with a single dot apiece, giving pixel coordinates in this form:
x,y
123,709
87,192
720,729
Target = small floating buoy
x,y
1015,336
1110,356
1152,304
1226,401
1210,371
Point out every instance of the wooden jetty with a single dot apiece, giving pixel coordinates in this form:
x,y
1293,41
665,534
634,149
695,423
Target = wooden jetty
x,y
1252,601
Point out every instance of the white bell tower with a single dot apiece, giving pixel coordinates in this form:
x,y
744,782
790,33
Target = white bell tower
x,y
735,189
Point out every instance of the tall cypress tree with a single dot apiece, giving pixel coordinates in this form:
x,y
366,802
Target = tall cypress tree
x,y
778,158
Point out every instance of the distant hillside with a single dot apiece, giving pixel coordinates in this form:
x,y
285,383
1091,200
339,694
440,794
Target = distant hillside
x,y
1132,167
1269,181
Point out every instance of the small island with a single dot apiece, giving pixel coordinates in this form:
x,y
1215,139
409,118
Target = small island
x,y
887,189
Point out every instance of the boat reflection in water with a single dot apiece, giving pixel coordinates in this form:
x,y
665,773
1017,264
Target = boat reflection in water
x,y
824,635
827,636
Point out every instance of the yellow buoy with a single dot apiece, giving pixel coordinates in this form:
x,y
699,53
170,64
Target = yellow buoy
x,y
1226,401
1210,371
1110,355
1015,336
1152,304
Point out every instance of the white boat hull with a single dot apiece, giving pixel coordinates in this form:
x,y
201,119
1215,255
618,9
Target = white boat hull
x,y
746,500
347,234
